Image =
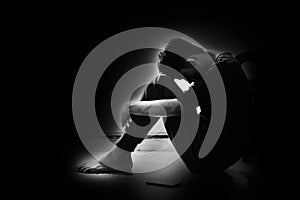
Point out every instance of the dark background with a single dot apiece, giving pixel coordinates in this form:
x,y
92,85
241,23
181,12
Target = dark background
x,y
59,41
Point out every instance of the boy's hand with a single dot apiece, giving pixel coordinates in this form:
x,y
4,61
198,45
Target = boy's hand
x,y
226,58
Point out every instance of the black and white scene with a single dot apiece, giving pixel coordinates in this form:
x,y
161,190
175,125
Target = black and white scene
x,y
165,104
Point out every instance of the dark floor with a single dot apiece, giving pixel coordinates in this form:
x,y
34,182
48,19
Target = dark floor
x,y
173,181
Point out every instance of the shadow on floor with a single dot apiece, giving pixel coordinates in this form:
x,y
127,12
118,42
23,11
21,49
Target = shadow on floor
x,y
240,181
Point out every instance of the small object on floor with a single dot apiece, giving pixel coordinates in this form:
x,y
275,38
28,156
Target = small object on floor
x,y
164,182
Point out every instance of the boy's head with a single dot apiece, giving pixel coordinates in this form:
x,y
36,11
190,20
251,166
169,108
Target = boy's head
x,y
183,56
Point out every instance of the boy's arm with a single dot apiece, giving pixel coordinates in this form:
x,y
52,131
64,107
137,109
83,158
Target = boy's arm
x,y
156,108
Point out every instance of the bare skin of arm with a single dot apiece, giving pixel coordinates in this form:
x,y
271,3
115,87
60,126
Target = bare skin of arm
x,y
157,108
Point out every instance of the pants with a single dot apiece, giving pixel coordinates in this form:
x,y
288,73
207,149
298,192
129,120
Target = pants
x,y
229,147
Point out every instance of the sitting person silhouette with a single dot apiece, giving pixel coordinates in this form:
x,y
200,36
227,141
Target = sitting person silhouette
x,y
229,147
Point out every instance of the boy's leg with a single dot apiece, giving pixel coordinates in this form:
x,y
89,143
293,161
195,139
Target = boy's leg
x,y
135,133
120,155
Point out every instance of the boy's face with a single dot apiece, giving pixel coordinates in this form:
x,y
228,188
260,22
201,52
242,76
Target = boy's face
x,y
184,67
202,62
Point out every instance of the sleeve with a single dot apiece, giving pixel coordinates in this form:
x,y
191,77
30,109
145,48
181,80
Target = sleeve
x,y
156,91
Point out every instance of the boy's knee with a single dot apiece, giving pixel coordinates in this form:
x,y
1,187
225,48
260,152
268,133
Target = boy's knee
x,y
141,120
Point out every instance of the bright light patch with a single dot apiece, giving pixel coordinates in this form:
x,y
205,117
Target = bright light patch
x,y
183,84
198,109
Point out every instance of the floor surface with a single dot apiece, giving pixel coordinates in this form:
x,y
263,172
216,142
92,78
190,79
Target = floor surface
x,y
171,179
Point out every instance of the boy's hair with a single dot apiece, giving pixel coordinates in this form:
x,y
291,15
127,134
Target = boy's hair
x,y
183,47
177,53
